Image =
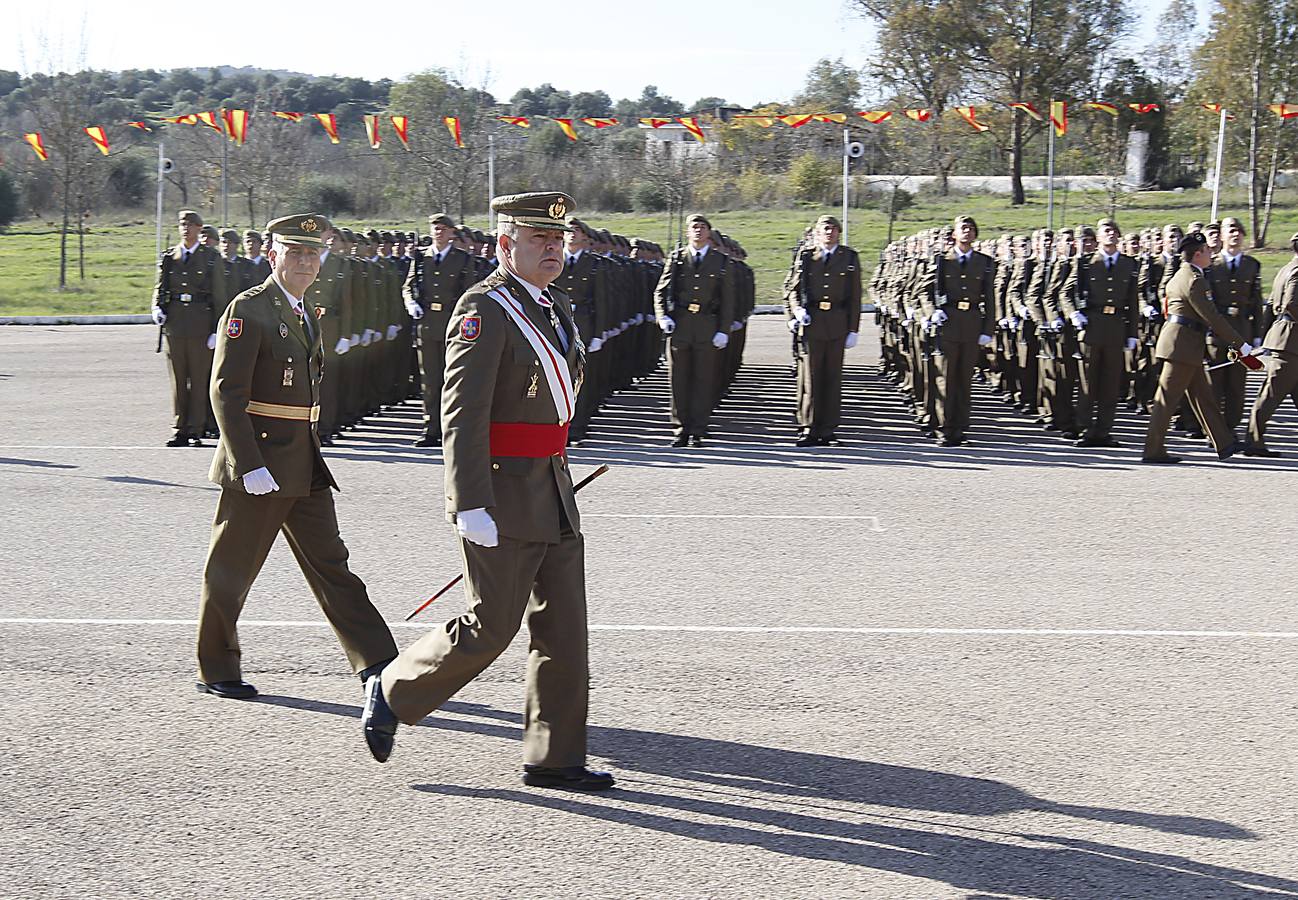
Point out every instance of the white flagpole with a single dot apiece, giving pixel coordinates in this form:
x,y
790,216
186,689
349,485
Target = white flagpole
x,y
1216,179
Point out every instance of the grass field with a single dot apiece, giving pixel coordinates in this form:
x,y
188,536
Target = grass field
x,y
120,261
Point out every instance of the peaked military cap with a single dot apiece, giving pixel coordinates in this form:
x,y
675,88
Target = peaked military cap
x,y
960,220
441,219
1231,222
831,220
538,209
1192,242
229,235
1108,220
697,218
189,217
308,229
210,230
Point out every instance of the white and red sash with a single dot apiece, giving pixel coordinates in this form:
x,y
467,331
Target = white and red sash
x,y
553,362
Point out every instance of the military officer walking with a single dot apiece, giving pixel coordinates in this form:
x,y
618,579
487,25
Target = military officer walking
x,y
1282,342
265,391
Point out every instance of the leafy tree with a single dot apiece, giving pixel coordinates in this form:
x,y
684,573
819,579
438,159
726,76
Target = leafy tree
x,y
831,86
8,198
811,177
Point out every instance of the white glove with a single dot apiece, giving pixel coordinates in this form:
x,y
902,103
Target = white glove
x,y
803,317
1004,323
478,527
393,331
211,342
984,340
159,317
1246,349
909,320
720,339
639,318
356,340
1078,319
1131,344
666,324
793,325
1057,325
735,326
1023,312
414,309
851,340
595,344
939,317
1149,311
342,346
259,481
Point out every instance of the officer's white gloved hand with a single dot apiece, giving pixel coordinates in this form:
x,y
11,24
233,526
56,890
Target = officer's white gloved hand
x,y
1023,312
594,345
211,342
639,318
1149,311
939,317
416,312
259,481
666,324
1131,344
1078,319
720,339
984,340
159,317
793,325
851,340
393,331
735,326
477,526
342,346
1057,325
1246,349
803,317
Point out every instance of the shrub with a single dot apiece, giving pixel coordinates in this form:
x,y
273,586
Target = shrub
x,y
811,178
8,199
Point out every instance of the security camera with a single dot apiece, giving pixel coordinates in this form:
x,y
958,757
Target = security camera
x,y
856,150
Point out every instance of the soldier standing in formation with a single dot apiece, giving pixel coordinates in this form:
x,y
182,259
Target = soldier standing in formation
x,y
1282,342
1235,281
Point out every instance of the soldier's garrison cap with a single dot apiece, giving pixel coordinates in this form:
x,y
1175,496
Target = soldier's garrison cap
x,y
251,235
1192,242
189,217
831,220
441,219
229,235
210,230
697,218
307,229
538,209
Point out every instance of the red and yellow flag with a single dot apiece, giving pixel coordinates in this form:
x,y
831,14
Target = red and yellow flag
x,y
919,115
1102,106
401,125
832,118
875,116
330,124
568,129
236,124
658,122
1059,117
691,124
1028,109
210,120
520,121
97,135
1217,109
143,126
453,126
187,119
1284,110
795,121
762,121
372,131
600,122
37,145
290,116
970,115
1141,108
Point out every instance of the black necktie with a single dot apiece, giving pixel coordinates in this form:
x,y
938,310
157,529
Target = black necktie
x,y
1234,266
184,257
698,260
554,321
963,260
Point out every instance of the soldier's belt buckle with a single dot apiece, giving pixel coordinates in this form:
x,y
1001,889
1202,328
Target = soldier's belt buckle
x,y
963,305
1232,310
1109,310
185,298
435,307
826,305
694,307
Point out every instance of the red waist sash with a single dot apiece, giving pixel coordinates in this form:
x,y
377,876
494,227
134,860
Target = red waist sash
x,y
527,439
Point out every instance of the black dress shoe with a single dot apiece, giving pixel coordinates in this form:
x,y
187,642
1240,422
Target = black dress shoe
x,y
427,440
1089,442
949,442
378,722
1229,451
682,441
1196,435
696,441
1110,442
577,778
326,442
231,690
1164,460
1051,426
807,441
179,440
828,440
1069,435
195,442
1250,450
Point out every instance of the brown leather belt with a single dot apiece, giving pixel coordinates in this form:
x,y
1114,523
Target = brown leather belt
x,y
284,411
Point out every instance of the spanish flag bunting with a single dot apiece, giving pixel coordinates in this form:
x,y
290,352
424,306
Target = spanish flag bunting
x,y
209,119
600,122
236,124
1059,117
290,116
655,121
568,129
1217,108
876,116
1102,106
453,126
919,115
1141,108
763,121
187,119
38,146
401,125
1284,110
372,131
329,123
1028,109
97,135
143,126
520,121
795,121
691,124
969,114
833,118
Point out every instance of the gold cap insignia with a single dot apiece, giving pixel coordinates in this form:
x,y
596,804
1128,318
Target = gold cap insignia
x,y
310,226
558,209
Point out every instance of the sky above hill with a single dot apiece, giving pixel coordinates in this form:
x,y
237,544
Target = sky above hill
x,y
745,52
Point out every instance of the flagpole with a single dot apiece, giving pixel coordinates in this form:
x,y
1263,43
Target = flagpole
x,y
1050,171
491,180
225,181
1216,180
846,180
160,173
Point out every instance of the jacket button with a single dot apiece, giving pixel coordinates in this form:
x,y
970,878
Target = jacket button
x,y
263,435
495,465
290,359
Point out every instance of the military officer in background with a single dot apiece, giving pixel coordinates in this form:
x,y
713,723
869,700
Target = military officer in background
x,y
585,280
440,274
513,363
1282,342
695,306
826,305
329,297
252,246
265,390
1235,279
189,296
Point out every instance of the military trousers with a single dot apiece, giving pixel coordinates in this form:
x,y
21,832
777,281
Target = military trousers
x,y
692,371
1029,385
820,385
1058,380
432,365
538,583
955,387
190,363
1281,382
1184,381
242,534
1228,385
1103,368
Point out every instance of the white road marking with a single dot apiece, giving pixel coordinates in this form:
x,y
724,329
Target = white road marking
x,y
734,629
872,519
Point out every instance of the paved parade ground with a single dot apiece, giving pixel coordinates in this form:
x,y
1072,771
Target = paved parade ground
x,y
886,669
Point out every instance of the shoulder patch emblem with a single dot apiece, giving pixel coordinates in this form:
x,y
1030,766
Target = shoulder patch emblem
x,y
234,328
470,327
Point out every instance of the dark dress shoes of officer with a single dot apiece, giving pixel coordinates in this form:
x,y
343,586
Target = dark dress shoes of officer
x,y
378,722
682,441
1229,451
1250,450
576,778
696,442
196,442
428,440
1164,460
807,441
230,690
179,440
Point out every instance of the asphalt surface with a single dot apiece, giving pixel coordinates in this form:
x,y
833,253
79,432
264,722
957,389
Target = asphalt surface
x,y
886,669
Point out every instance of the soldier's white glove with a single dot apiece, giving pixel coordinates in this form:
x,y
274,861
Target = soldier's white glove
x,y
259,481
984,340
735,326
1057,325
720,339
639,318
1247,349
393,331
666,324
1078,319
909,320
594,345
416,312
356,340
793,325
1004,323
851,340
1023,311
803,317
342,346
1131,344
159,317
1148,311
211,342
1013,322
478,527
939,317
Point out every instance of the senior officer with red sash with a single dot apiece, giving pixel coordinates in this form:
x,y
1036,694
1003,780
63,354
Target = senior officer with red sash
x,y
513,367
